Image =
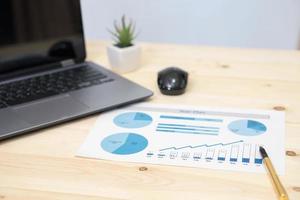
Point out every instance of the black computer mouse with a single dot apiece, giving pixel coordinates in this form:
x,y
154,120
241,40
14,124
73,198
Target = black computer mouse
x,y
172,81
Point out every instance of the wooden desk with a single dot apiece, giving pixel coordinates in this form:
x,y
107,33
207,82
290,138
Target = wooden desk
x,y
42,165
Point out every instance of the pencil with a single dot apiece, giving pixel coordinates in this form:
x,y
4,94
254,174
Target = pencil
x,y
282,195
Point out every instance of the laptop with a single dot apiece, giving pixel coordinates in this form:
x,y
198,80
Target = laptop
x,y
44,77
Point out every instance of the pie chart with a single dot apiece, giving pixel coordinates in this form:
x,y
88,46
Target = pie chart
x,y
247,127
124,143
133,120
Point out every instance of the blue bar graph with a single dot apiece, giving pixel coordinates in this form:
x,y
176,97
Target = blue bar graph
x,y
197,156
189,132
187,129
210,154
258,159
190,118
221,158
236,152
184,125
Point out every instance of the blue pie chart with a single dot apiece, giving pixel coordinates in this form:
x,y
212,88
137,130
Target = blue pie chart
x,y
247,127
133,120
124,143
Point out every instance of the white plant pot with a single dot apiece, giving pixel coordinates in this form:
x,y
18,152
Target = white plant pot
x,y
124,60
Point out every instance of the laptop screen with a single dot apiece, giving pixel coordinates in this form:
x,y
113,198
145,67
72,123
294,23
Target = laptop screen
x,y
39,32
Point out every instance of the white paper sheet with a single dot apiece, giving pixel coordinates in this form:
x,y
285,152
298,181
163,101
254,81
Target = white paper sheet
x,y
226,139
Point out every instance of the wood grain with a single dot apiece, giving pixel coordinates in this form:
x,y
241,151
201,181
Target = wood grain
x,y
42,165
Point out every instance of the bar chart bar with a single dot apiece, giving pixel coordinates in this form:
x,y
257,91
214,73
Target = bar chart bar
x,y
173,154
222,154
258,158
185,155
246,153
197,155
234,153
210,154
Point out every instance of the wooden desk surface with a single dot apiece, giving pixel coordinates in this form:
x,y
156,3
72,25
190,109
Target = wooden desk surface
x,y
42,165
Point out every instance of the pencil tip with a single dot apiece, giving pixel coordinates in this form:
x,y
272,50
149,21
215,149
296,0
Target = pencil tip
x,y
261,148
263,152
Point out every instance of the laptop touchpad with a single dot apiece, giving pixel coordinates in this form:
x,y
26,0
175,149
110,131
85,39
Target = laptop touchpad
x,y
51,109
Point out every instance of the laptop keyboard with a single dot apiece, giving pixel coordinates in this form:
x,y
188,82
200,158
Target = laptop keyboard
x,y
50,84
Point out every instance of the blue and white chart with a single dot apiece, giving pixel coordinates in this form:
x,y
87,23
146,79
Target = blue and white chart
x,y
226,139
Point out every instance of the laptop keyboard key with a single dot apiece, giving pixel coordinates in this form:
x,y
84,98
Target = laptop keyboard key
x,y
28,98
50,84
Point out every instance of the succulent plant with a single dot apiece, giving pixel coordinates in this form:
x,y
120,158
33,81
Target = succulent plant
x,y
123,34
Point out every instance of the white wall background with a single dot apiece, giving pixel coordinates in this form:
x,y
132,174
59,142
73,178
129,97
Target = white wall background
x,y
237,23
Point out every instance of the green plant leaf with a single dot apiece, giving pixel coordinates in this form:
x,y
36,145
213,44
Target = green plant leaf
x,y
118,30
124,34
123,22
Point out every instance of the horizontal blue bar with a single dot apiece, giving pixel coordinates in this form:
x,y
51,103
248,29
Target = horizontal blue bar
x,y
246,160
208,158
190,118
188,129
188,132
197,157
221,158
233,159
258,161
192,126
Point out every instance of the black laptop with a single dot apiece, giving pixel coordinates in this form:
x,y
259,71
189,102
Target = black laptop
x,y
44,78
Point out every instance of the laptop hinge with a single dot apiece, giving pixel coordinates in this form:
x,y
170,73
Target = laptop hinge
x,y
67,63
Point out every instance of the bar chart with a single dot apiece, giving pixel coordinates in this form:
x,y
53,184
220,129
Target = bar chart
x,y
236,152
189,125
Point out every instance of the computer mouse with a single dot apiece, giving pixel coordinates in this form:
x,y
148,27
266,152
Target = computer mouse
x,y
172,81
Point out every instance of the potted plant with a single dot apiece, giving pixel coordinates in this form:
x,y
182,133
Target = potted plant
x,y
124,55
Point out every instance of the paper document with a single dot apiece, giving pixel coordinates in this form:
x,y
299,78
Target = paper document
x,y
226,139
